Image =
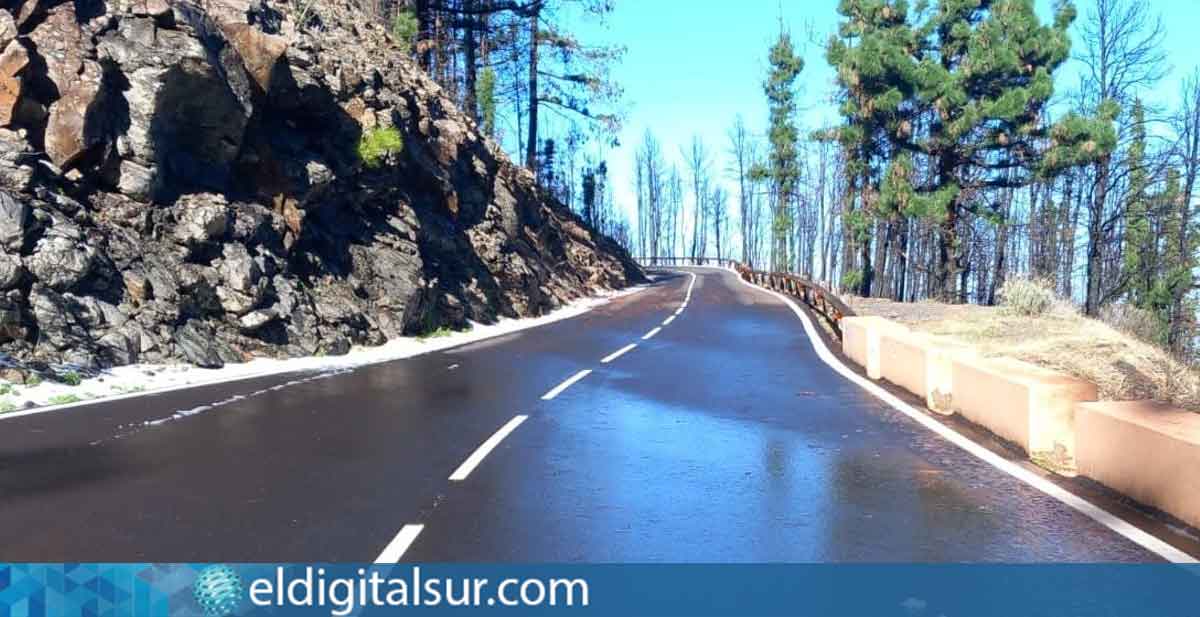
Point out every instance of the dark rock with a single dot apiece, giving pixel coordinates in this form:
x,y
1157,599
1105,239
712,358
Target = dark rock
x,y
14,217
116,349
252,322
13,324
12,271
62,258
201,219
181,181
335,345
195,342
62,321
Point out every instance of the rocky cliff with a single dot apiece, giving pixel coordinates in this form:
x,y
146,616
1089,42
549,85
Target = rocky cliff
x,y
186,180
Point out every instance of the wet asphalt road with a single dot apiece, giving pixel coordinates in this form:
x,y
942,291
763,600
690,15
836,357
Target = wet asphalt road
x,y
721,439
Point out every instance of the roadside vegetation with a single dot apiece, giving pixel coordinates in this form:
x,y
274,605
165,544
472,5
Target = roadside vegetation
x,y
441,332
1120,351
378,145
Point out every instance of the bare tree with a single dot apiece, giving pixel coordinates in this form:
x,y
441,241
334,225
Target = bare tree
x,y
741,151
1122,56
697,159
1187,127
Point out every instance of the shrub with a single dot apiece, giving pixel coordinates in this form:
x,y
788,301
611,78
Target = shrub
x,y
1139,323
71,378
852,280
378,144
441,332
1027,297
64,399
404,30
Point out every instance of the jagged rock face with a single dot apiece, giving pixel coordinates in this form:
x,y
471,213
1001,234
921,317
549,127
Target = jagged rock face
x,y
180,181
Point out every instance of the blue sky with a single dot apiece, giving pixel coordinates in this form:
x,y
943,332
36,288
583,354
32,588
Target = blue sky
x,y
692,66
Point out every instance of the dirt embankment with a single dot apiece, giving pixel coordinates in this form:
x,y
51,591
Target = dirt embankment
x,y
1124,367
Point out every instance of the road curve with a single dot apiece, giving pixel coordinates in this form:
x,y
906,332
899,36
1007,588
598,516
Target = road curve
x,y
689,422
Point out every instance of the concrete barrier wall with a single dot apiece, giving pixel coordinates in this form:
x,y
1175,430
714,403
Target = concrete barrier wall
x,y
1141,449
861,340
921,364
902,360
1027,405
1146,450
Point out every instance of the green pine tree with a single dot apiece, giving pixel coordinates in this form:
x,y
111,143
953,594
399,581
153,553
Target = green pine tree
x,y
977,75
487,101
1140,242
783,165
872,54
1170,299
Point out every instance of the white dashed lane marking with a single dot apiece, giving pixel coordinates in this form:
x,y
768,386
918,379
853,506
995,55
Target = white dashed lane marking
x,y
560,388
486,448
618,353
395,549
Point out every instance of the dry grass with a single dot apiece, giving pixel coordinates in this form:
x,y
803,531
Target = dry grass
x,y
1124,367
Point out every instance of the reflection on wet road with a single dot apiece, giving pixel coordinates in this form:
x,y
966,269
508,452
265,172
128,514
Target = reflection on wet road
x,y
719,437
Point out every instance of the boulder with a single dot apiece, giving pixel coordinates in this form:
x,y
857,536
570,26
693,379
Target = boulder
x,y
186,118
62,45
60,260
8,28
118,349
137,181
201,220
260,52
12,318
62,321
252,322
13,60
11,270
194,342
71,129
14,220
150,8
238,270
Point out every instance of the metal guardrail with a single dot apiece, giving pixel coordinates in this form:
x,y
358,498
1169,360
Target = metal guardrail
x,y
824,302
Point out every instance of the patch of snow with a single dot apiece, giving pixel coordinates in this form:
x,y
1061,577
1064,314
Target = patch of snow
x,y
141,379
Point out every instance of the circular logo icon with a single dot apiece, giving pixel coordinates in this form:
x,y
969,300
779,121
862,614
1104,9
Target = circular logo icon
x,y
218,590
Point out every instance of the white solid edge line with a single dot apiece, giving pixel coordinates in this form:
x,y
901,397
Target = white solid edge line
x,y
667,321
485,448
679,312
618,353
566,384
650,334
1085,507
395,549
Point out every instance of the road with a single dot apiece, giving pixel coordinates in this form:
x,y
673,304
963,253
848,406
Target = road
x,y
721,438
